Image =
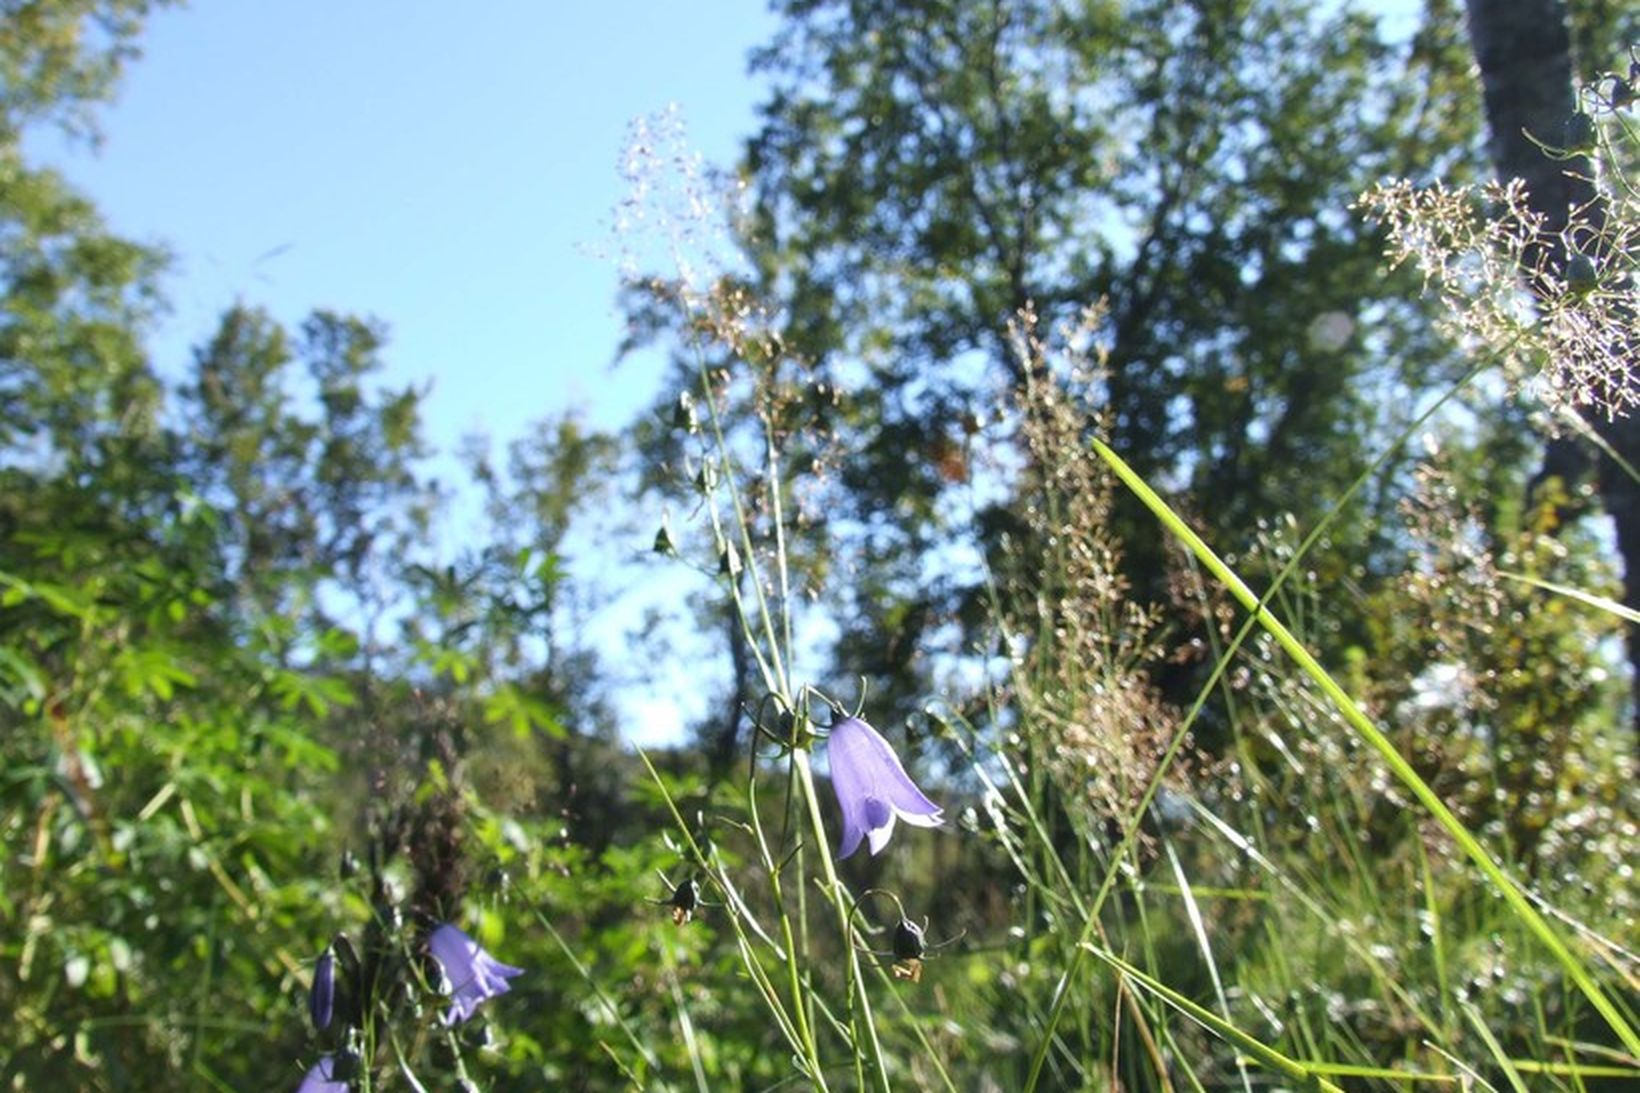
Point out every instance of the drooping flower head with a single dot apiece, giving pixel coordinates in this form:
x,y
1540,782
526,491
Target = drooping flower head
x,y
873,789
322,1078
474,974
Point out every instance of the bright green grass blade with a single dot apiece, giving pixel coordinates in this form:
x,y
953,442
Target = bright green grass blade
x,y
1198,926
1600,602
1255,1048
1478,1022
608,1003
1380,743
1381,1073
1577,1070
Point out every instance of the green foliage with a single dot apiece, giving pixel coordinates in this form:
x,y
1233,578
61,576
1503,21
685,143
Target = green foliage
x,y
925,171
59,58
246,710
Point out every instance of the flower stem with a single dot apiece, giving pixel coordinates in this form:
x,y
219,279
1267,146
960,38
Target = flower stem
x,y
865,1026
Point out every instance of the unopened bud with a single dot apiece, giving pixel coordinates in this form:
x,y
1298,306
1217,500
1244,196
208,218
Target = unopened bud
x,y
345,1064
478,1034
683,414
908,941
685,899
1622,93
322,995
664,545
729,561
1578,133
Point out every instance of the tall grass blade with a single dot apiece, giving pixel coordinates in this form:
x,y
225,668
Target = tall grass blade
x,y
1380,743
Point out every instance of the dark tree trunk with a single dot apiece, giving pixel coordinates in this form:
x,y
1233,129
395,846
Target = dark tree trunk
x,y
1524,50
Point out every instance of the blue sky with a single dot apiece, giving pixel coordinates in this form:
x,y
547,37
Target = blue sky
x,y
449,169
452,170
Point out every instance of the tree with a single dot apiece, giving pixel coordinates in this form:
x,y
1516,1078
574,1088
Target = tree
x,y
311,473
163,750
926,170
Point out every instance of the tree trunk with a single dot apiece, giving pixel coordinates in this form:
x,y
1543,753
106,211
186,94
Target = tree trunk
x,y
1524,50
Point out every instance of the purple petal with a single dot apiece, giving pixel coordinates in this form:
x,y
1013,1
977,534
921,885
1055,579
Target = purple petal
x,y
882,823
872,787
854,825
848,757
909,801
322,994
319,1080
474,974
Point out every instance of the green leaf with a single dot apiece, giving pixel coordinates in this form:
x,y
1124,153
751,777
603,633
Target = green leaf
x,y
507,704
318,693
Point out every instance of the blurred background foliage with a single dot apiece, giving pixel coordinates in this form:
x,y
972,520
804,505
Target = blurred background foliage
x,y
229,655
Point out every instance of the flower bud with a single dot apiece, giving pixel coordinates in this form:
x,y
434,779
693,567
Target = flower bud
x,y
346,1064
729,561
479,1035
322,995
908,951
1578,134
1580,274
683,414
685,898
663,543
706,478
908,941
1622,93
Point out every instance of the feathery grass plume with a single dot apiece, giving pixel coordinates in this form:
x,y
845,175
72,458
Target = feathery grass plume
x,y
1464,646
1084,683
1483,250
1477,248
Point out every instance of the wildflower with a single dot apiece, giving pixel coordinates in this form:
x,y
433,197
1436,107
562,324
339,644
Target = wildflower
x,y
322,1078
322,995
473,974
872,787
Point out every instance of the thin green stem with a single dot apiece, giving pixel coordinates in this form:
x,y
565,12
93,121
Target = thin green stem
x,y
801,1044
1131,833
603,999
1255,1048
1379,742
865,1026
793,957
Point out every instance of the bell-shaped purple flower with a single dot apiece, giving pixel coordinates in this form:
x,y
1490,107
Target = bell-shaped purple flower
x,y
473,974
872,787
322,1078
